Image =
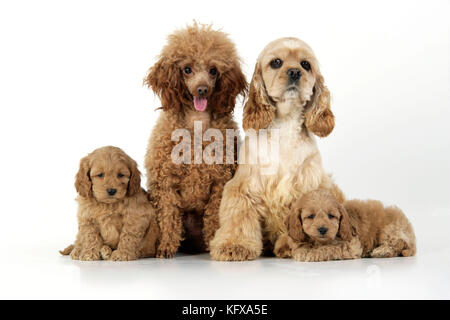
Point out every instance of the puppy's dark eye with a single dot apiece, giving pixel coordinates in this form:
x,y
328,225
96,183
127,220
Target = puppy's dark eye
x,y
276,63
213,71
119,175
100,175
188,70
305,65
331,216
311,216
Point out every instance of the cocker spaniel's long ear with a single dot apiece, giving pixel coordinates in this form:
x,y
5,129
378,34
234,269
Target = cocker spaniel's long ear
x,y
166,81
228,86
258,111
83,183
345,227
318,118
293,223
134,184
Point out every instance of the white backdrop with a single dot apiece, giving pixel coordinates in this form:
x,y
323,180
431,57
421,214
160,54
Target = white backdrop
x,y
71,80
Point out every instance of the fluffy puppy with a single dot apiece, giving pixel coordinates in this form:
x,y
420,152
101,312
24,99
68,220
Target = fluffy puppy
x,y
197,77
320,229
115,219
289,99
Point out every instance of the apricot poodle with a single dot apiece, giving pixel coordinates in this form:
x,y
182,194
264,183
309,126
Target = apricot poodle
x,y
289,104
320,229
115,219
197,77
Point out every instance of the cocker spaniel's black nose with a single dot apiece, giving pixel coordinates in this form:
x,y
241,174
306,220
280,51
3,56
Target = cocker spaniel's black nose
x,y
202,90
322,230
111,192
294,74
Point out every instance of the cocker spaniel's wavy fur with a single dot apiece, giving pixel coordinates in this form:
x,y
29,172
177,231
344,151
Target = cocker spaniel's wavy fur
x,y
115,219
197,77
288,96
320,228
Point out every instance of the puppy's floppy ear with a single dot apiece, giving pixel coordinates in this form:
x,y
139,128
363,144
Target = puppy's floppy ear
x,y
258,111
345,227
166,81
228,86
134,184
293,223
318,118
83,183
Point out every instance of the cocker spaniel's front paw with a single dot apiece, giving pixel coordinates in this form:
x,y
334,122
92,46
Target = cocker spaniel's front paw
x,y
90,255
166,252
300,254
75,254
122,255
233,252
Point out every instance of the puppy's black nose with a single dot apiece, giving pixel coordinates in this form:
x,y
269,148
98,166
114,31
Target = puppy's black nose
x,y
111,192
322,230
202,90
294,74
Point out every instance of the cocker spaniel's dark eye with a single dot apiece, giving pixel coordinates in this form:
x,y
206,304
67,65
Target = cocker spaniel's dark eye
x,y
100,175
188,70
305,65
276,63
311,216
213,71
331,216
120,175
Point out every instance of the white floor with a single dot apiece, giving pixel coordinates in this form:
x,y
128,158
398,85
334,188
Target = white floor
x,y
41,273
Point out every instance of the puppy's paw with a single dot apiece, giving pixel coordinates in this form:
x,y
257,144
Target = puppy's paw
x,y
300,254
90,255
282,247
383,251
234,252
166,252
75,254
105,252
121,255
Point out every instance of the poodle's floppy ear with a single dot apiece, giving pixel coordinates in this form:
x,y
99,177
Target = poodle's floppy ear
x,y
345,228
293,223
166,81
134,184
258,111
319,118
229,85
83,183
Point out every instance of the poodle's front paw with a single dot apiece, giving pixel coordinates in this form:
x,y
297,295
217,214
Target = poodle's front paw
x,y
105,252
121,255
282,247
300,254
166,252
233,252
90,255
75,254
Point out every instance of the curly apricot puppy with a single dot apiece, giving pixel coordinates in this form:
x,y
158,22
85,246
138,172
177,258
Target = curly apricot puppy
x,y
197,77
115,219
320,229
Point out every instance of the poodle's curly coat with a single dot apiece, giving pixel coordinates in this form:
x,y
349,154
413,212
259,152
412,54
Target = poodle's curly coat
x,y
319,228
115,219
197,77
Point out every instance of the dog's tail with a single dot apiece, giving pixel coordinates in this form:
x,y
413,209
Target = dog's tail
x,y
67,250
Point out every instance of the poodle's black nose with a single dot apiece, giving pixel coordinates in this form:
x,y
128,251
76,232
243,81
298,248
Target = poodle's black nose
x,y
111,192
202,90
322,230
294,74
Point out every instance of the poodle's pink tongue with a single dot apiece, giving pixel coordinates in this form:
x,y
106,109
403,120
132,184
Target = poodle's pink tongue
x,y
200,103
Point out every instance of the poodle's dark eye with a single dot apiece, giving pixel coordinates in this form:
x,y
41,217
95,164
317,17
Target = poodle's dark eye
x,y
276,63
188,70
331,216
311,216
213,71
100,175
305,65
119,175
